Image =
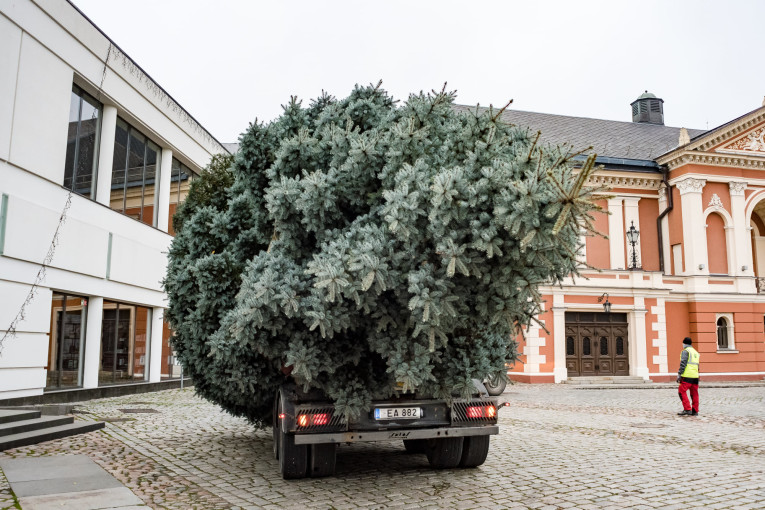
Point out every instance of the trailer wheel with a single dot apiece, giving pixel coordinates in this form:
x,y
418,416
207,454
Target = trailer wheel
x,y
322,459
416,445
444,453
474,451
275,427
496,385
293,459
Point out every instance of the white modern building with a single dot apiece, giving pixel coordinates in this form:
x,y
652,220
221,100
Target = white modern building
x,y
94,158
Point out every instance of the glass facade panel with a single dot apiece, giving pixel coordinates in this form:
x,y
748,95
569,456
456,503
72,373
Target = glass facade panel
x,y
180,180
82,143
66,341
134,174
171,368
125,334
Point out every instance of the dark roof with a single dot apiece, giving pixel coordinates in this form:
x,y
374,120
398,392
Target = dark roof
x,y
609,138
613,141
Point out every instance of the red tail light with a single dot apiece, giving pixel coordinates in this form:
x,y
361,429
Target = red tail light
x,y
320,419
481,412
475,412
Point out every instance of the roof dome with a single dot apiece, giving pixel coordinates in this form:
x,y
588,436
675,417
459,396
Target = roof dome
x,y
647,95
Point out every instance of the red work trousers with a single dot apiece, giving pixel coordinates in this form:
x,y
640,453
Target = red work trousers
x,y
683,390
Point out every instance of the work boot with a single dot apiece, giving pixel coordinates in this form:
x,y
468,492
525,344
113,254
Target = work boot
x,y
686,413
694,413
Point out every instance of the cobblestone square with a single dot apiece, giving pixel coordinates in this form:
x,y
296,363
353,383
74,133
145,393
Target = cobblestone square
x,y
560,447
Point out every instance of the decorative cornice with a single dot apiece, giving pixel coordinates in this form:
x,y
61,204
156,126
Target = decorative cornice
x,y
690,185
753,142
737,188
614,181
714,159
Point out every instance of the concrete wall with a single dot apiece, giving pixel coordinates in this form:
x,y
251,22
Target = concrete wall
x,y
46,46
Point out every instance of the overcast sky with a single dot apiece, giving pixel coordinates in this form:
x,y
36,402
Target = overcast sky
x,y
228,62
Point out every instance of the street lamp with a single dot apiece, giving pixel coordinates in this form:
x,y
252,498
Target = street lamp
x,y
606,304
633,235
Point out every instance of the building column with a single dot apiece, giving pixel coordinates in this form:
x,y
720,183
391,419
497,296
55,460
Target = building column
x,y
92,361
560,372
163,199
741,238
106,155
694,231
638,342
155,349
616,233
632,216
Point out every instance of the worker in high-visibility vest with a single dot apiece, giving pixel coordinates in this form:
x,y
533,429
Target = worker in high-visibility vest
x,y
688,377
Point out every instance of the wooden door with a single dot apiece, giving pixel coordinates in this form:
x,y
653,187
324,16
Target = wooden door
x,y
596,344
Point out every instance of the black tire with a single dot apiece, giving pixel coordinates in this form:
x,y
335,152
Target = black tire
x,y
474,451
496,385
444,453
293,459
322,460
275,427
415,445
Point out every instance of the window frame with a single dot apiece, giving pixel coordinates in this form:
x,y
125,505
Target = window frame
x,y
84,96
729,332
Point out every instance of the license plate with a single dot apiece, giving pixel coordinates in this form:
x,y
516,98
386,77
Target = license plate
x,y
398,413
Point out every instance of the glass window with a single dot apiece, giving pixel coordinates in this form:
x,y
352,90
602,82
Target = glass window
x,y
68,319
722,333
171,367
180,181
82,143
125,333
134,174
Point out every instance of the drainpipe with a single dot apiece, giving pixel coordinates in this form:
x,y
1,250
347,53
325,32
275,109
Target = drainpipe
x,y
670,205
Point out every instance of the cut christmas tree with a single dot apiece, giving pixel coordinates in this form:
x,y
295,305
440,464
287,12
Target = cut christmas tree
x,y
362,248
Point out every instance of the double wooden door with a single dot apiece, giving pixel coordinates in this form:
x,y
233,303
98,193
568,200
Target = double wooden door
x,y
596,344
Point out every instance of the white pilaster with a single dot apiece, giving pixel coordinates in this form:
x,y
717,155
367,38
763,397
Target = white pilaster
x,y
632,216
163,199
638,345
106,155
660,329
616,233
694,231
560,372
741,238
92,361
155,350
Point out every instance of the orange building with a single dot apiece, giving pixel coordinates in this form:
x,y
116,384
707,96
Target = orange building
x,y
695,266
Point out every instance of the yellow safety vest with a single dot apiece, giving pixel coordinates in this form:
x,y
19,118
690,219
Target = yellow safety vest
x,y
692,367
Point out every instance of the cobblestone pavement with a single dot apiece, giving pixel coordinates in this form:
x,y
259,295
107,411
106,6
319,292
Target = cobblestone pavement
x,y
559,447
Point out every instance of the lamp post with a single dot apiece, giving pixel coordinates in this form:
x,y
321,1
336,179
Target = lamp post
x,y
606,304
633,235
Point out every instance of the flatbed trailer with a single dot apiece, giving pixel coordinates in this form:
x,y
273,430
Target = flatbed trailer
x,y
452,433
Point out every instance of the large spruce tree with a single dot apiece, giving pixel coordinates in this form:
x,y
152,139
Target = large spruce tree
x,y
366,247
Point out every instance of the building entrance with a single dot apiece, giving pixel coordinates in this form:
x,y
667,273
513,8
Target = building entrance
x,y
596,344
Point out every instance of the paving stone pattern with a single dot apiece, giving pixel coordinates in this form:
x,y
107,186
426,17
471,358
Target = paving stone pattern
x,y
560,447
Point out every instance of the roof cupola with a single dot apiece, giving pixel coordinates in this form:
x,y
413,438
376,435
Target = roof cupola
x,y
648,109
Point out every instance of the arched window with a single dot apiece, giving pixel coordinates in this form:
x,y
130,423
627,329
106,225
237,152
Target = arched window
x,y
722,333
